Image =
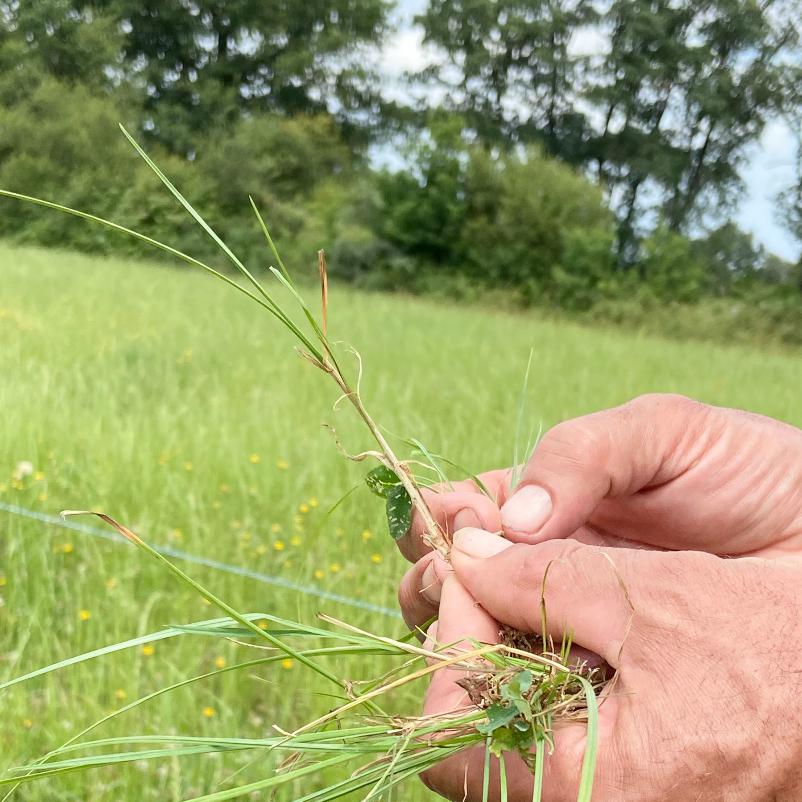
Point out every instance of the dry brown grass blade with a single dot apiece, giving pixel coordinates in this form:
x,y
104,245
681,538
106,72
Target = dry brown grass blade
x,y
460,658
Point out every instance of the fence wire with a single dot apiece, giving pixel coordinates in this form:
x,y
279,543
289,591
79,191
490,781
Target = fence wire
x,y
196,559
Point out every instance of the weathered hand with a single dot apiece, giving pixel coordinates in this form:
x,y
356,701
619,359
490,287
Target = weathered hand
x,y
707,705
661,471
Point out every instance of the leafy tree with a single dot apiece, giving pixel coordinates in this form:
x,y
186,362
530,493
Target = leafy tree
x,y
508,69
670,270
60,38
662,118
730,257
60,143
537,225
204,62
684,89
425,204
523,220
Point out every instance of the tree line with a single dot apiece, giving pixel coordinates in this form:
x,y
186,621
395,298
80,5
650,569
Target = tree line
x,y
599,179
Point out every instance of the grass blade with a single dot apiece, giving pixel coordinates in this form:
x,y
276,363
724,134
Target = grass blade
x,y
591,745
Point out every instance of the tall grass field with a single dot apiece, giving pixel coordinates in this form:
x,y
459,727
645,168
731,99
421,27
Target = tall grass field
x,y
178,407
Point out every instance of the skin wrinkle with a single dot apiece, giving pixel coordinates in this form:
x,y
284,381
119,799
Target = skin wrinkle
x,y
709,702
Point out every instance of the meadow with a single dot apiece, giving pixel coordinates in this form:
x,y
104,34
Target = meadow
x,y
168,401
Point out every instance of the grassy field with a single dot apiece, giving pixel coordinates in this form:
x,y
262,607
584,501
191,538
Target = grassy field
x,y
164,399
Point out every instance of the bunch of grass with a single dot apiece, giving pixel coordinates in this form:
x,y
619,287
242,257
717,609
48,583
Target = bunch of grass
x,y
517,693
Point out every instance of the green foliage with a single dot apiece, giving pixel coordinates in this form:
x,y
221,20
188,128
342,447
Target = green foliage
x,y
205,65
148,407
508,69
384,483
665,111
670,270
519,221
278,103
51,143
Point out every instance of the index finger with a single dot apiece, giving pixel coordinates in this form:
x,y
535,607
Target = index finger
x,y
456,506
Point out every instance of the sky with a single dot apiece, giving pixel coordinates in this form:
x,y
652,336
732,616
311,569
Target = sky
x,y
768,168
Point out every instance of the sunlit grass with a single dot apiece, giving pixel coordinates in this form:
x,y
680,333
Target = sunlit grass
x,y
159,397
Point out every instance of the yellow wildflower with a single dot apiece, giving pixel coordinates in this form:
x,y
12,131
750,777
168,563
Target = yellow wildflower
x,y
120,695
38,476
278,545
295,540
319,573
313,502
67,548
275,528
84,615
148,649
263,624
282,464
27,723
335,568
303,508
209,712
287,663
176,534
376,558
254,459
3,581
366,535
220,662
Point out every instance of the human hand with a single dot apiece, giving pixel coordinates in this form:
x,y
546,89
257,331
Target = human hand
x,y
662,471
707,703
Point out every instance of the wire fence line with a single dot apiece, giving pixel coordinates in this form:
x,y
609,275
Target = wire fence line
x,y
195,559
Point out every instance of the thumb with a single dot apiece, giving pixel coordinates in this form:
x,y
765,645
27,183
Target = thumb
x,y
608,454
585,589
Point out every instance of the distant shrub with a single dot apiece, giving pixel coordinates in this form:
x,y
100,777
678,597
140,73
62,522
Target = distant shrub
x,y
62,143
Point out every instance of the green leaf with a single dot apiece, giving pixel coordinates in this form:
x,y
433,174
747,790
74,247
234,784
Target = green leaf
x,y
381,480
517,686
399,511
498,715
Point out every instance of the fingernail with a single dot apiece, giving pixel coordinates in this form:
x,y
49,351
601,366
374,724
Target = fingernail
x,y
478,543
466,517
527,510
431,588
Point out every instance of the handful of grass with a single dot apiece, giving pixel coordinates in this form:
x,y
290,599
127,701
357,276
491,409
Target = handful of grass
x,y
516,693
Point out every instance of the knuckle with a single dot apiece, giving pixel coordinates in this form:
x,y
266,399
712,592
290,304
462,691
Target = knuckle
x,y
575,443
664,403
